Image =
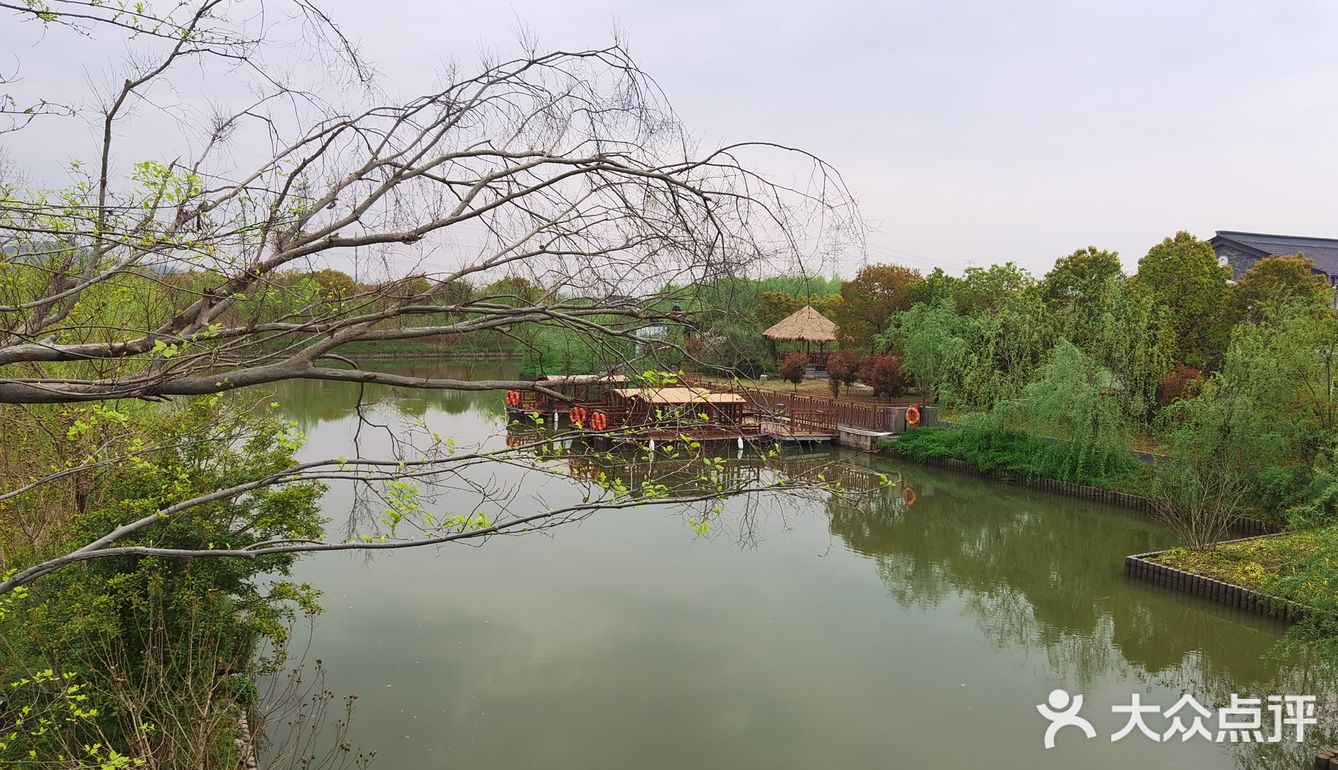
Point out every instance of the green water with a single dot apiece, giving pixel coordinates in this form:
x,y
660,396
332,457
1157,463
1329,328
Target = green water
x,y
797,634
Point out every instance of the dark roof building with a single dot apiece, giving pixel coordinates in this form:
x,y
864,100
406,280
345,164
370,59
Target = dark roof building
x,y
1242,250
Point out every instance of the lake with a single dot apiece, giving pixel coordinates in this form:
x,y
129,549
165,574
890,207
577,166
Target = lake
x,y
796,633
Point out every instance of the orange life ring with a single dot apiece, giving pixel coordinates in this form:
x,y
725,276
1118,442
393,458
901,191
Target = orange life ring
x,y
599,421
908,494
912,415
577,414
511,398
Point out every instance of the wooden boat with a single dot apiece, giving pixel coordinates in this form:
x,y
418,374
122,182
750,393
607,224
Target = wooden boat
x,y
642,415
581,389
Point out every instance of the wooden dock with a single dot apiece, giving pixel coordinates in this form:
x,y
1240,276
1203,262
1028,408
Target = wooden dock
x,y
790,434
712,414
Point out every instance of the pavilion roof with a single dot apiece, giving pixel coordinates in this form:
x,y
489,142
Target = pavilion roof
x,y
804,324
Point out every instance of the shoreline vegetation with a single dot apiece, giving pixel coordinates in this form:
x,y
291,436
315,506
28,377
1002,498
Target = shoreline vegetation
x,y
1280,568
1267,564
1022,454
543,206
1073,377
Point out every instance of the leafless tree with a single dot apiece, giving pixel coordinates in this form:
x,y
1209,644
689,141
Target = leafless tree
x,y
170,277
1200,501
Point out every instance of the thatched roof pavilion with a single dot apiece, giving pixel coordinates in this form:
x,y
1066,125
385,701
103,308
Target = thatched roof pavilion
x,y
804,324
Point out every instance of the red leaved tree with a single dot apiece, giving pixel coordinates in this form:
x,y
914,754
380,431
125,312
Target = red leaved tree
x,y
1183,381
842,368
792,367
884,374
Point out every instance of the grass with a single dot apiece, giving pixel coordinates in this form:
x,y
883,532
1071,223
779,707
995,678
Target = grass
x,y
989,449
1145,441
1301,566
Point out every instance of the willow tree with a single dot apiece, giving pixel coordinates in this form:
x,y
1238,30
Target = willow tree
x,y
568,169
933,340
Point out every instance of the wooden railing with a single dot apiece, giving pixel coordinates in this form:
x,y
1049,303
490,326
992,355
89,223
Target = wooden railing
x,y
531,401
806,413
814,413
875,417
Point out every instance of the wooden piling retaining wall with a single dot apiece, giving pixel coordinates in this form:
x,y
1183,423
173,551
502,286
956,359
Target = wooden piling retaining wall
x,y
1143,567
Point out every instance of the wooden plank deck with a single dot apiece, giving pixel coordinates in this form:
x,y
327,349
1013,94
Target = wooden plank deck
x,y
779,431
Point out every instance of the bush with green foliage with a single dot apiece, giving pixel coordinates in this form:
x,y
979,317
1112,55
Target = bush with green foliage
x,y
152,639
991,449
1249,441
730,349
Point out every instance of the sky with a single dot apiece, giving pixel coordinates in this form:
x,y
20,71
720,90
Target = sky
x,y
970,132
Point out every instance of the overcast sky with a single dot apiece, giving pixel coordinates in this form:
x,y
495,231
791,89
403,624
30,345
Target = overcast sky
x,y
971,132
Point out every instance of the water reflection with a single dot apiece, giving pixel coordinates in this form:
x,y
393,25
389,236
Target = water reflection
x,y
885,628
1039,573
311,402
1042,573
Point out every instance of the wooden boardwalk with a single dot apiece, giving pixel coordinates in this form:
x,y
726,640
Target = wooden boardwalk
x,y
785,433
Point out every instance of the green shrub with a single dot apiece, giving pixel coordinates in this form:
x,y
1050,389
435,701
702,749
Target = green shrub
x,y
991,449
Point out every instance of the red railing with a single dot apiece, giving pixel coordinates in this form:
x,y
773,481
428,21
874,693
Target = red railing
x,y
531,401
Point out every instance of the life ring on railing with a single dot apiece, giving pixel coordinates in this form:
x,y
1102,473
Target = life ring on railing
x,y
908,495
577,414
912,415
599,421
511,398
